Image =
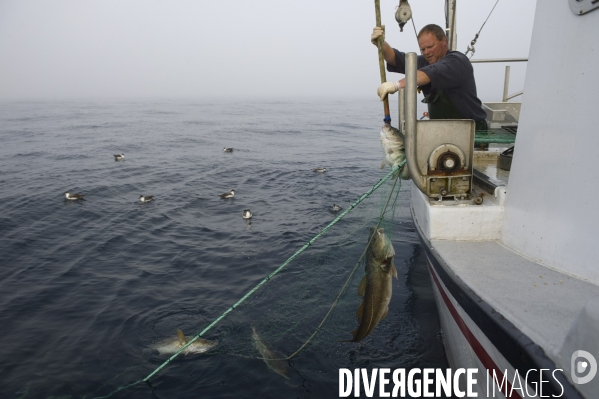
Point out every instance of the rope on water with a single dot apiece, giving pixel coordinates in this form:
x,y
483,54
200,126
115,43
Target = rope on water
x,y
393,171
351,275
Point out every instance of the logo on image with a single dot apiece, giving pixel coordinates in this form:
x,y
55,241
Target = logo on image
x,y
583,367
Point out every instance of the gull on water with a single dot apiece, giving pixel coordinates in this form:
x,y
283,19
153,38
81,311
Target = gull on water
x,y
146,198
74,197
230,194
118,157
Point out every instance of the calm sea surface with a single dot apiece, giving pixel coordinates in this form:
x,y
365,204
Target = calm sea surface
x,y
87,287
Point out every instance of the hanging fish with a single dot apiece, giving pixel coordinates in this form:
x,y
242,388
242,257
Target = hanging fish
x,y
403,13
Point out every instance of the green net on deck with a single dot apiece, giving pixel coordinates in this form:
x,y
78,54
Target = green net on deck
x,y
497,136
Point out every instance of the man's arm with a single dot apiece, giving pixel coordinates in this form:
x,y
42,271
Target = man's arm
x,y
378,33
421,80
388,54
391,87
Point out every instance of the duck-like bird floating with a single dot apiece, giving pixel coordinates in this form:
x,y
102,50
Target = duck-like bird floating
x,y
146,198
230,194
74,197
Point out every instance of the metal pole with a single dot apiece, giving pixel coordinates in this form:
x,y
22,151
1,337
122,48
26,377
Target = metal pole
x,y
474,61
452,35
379,44
506,83
410,116
402,107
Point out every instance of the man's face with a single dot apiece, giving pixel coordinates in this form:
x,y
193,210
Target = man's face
x,y
432,49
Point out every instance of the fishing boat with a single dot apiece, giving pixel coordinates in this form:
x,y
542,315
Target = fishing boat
x,y
513,255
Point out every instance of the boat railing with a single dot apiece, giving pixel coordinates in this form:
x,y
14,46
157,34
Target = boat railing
x,y
506,81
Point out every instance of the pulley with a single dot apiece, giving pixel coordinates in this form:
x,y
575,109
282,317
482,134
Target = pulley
x,y
403,13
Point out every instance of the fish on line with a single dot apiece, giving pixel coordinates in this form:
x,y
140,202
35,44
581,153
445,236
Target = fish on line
x,y
274,359
375,287
170,346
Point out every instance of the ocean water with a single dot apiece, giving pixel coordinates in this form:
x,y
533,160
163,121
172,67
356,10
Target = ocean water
x,y
87,287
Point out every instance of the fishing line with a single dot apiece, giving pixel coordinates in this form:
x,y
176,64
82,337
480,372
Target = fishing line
x,y
393,172
350,278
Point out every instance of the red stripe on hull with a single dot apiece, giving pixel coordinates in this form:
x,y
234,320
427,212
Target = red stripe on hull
x,y
478,349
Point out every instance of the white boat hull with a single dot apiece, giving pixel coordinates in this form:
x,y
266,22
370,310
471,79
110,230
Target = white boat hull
x,y
476,336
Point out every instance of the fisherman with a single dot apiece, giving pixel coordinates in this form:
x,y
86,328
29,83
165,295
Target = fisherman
x,y
445,77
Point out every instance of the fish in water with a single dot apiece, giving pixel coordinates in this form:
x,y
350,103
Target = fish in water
x,y
319,170
393,147
118,157
227,149
170,346
273,359
375,287
403,14
230,194
146,198
336,208
74,197
247,214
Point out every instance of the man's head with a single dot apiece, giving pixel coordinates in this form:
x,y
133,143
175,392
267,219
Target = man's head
x,y
432,42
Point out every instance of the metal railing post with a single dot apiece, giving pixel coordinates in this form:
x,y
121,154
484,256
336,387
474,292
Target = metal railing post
x,y
402,107
410,116
506,83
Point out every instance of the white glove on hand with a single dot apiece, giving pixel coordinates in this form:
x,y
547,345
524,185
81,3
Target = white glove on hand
x,y
387,88
376,33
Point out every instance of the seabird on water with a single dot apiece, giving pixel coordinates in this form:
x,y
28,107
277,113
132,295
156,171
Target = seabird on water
x,y
74,197
228,149
118,157
247,214
336,208
319,170
146,198
230,194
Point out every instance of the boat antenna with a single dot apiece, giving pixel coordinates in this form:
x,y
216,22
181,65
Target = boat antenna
x,y
473,42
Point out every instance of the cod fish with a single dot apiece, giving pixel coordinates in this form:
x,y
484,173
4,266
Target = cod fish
x,y
376,285
170,346
393,147
403,14
272,358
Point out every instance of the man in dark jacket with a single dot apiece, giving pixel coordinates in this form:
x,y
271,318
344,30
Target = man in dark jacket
x,y
445,77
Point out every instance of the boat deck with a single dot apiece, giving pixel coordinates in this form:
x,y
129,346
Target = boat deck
x,y
486,163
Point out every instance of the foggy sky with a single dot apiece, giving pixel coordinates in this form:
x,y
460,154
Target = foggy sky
x,y
66,49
